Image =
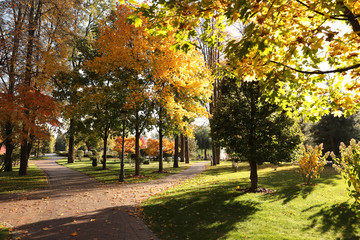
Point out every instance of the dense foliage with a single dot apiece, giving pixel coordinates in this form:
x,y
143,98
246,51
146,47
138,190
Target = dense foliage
x,y
252,128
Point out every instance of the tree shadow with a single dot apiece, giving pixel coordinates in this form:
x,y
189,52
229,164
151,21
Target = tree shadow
x,y
289,184
201,213
108,223
343,218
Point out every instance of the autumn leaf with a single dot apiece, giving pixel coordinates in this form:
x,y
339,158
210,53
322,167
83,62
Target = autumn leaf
x,y
74,234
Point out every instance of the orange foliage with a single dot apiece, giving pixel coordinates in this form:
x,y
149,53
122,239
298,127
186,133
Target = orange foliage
x,y
129,145
153,147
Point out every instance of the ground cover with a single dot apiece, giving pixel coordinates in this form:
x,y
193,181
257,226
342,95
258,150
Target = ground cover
x,y
111,175
4,232
11,182
210,207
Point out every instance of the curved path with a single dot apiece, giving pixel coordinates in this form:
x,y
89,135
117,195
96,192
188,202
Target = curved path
x,y
75,206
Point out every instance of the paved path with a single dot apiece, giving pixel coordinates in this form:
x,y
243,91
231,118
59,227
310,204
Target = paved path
x,y
75,204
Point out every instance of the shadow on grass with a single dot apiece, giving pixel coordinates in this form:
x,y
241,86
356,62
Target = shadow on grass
x,y
342,218
201,213
288,183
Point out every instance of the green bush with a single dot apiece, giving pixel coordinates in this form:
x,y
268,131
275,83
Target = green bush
x,y
95,158
79,154
349,167
63,154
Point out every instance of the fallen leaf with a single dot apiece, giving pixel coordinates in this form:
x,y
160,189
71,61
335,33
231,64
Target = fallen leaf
x,y
92,220
74,234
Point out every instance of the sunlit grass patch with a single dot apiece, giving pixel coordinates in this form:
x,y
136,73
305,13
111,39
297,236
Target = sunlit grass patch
x,y
11,182
209,207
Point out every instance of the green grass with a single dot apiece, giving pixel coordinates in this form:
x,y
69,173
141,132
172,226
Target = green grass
x,y
11,182
39,158
209,207
4,232
111,175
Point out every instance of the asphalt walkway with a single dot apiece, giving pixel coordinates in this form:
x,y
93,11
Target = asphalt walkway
x,y
75,206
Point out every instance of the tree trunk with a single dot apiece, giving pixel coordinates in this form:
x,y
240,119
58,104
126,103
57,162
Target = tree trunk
x,y
9,147
137,153
218,155
205,156
213,158
182,148
23,159
253,176
187,154
176,152
24,155
106,134
71,142
161,155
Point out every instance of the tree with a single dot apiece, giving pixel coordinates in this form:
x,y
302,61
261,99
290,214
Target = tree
x,y
174,84
252,128
60,143
70,80
32,48
283,47
203,139
331,131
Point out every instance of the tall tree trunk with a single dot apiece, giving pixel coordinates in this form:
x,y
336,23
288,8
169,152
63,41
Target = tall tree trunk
x,y
11,87
137,152
161,154
205,155
176,152
106,134
33,20
252,139
23,158
218,155
187,153
182,148
71,141
213,158
9,147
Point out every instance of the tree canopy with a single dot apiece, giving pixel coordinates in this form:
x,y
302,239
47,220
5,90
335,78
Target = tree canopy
x,y
304,53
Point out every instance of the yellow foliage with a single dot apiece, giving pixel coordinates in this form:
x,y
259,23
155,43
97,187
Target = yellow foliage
x,y
312,162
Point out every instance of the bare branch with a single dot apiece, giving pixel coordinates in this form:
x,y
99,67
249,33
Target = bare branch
x,y
343,18
338,70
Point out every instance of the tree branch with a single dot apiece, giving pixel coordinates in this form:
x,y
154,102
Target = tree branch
x,y
338,70
343,18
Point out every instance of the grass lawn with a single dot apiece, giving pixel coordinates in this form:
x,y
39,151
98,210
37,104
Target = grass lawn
x,y
39,158
4,232
11,182
111,175
209,207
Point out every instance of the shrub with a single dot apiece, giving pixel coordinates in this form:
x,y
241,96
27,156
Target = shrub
x,y
79,154
349,167
311,162
95,156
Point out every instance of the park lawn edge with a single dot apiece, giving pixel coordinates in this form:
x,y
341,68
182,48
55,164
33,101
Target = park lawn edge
x,y
11,182
111,174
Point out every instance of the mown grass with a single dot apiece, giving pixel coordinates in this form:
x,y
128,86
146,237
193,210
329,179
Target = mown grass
x,y
111,174
11,182
209,207
4,232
